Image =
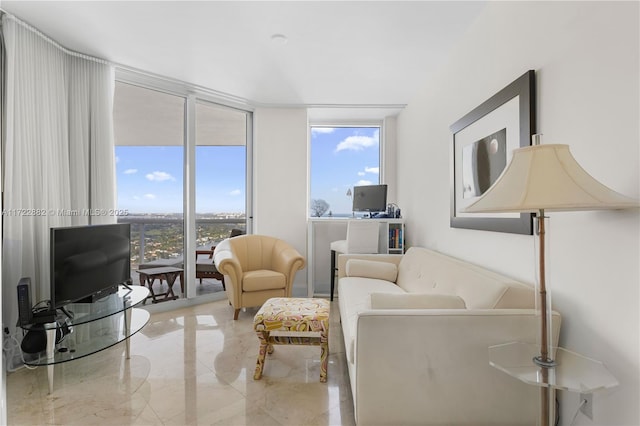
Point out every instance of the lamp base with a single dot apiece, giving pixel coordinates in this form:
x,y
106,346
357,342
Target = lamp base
x,y
547,363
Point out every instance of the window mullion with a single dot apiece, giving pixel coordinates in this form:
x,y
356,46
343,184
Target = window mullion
x,y
190,197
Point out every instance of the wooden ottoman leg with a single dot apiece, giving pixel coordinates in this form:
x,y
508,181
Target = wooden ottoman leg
x,y
264,345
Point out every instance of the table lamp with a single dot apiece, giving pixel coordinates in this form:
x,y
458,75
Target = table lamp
x,y
543,178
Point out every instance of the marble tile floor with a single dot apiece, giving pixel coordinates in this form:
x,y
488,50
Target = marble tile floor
x,y
189,366
207,286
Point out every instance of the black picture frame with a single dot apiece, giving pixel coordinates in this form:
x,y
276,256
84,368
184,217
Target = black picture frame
x,y
512,108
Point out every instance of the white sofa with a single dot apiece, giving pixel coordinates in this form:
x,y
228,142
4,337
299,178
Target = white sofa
x,y
420,354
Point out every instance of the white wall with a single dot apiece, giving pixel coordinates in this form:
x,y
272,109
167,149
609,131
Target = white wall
x,y
280,179
389,157
586,57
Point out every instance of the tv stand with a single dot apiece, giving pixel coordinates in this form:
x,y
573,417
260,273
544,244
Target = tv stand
x,y
66,312
115,316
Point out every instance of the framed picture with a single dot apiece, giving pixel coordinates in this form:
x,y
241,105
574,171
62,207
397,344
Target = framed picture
x,y
483,141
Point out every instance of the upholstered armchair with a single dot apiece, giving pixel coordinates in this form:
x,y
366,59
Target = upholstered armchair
x,y
256,268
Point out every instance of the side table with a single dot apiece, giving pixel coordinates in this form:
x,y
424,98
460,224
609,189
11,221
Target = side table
x,y
168,273
572,372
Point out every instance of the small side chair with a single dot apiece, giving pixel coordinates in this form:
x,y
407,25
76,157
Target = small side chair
x,y
362,238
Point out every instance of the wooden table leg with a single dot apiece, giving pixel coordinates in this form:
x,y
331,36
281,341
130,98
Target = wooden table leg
x,y
148,281
171,277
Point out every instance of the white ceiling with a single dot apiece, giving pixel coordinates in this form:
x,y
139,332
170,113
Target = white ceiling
x,y
370,54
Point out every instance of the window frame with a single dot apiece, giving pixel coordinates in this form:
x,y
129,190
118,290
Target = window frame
x,y
192,94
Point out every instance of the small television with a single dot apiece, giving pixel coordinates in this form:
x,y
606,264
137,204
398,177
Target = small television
x,y
370,198
88,262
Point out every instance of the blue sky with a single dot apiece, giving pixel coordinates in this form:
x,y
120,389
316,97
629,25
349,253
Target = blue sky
x,y
341,158
150,178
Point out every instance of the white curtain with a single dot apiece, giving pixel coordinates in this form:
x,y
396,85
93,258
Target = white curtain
x,y
58,152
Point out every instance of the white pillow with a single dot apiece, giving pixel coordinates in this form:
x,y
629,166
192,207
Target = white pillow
x,y
416,301
371,269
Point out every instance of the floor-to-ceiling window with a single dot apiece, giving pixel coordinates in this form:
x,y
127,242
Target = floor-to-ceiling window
x,y
220,182
152,128
149,139
221,139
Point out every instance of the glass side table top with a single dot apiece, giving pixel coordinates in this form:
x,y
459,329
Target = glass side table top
x,y
573,371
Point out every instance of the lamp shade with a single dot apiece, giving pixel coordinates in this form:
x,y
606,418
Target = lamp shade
x,y
547,177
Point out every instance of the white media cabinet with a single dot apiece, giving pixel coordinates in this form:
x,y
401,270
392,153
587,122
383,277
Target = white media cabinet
x,y
322,231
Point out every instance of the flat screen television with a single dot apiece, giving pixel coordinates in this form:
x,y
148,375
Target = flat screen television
x,y
370,198
88,262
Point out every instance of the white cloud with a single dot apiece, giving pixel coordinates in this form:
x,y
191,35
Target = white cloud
x,y
371,170
315,130
159,176
130,171
235,192
357,143
363,182
150,196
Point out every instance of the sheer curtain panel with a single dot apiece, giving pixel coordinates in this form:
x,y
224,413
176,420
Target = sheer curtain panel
x,y
58,155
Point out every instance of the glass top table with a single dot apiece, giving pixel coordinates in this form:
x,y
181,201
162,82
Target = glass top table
x,y
82,329
573,372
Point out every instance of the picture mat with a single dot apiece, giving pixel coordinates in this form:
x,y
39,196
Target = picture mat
x,y
507,115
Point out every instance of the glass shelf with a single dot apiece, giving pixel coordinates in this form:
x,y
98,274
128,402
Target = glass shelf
x,y
89,338
87,328
573,371
82,313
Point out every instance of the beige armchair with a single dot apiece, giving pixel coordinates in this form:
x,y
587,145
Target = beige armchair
x,y
256,268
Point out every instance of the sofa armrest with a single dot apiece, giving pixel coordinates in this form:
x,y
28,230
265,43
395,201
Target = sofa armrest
x,y
344,258
435,364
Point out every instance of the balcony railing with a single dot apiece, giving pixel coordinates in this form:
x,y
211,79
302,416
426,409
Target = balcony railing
x,y
158,239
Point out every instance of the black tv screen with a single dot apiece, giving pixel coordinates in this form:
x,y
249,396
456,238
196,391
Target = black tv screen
x,y
370,198
88,262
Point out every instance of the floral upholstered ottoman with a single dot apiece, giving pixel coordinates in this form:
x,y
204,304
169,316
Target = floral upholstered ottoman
x,y
298,321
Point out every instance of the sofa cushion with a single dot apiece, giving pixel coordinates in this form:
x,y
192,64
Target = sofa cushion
x,y
371,269
263,279
425,271
415,301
